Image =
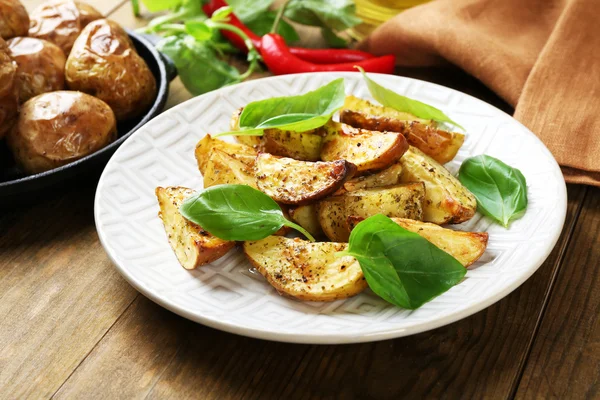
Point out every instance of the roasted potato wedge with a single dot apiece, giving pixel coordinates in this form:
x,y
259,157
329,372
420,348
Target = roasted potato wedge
x,y
366,107
234,125
368,150
386,177
192,245
61,21
447,201
401,201
104,63
9,90
306,216
223,168
466,247
439,144
14,20
298,145
207,144
305,270
292,181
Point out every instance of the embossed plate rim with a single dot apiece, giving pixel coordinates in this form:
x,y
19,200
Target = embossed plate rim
x,y
324,337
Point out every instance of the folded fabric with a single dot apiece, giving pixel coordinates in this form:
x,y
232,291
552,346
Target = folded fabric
x,y
541,56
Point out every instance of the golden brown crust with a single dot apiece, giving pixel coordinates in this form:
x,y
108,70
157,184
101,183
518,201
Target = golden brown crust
x,y
292,181
61,22
41,66
304,270
9,92
105,64
14,20
60,127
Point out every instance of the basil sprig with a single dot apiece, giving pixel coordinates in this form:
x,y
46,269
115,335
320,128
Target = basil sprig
x,y
405,104
500,189
236,212
400,266
295,113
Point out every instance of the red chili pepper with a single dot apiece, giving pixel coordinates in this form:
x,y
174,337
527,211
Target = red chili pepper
x,y
281,61
317,56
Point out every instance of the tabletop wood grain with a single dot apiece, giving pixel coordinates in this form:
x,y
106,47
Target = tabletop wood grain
x,y
73,328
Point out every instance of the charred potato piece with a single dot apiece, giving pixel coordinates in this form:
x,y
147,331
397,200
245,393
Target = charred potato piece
x,y
61,22
306,216
386,177
304,270
223,168
298,145
9,91
14,20
192,245
439,144
290,181
368,150
447,201
207,144
466,247
41,66
57,128
402,201
105,64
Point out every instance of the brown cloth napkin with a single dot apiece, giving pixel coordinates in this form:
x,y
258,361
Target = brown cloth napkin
x,y
541,56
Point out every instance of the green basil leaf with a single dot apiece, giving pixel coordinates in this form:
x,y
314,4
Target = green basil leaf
x,y
334,14
295,113
221,14
236,212
400,266
198,66
262,23
500,189
199,30
405,104
248,9
332,39
161,5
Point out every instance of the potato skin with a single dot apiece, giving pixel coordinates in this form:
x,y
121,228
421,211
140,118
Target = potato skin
x,y
105,64
41,66
14,20
9,93
57,128
61,21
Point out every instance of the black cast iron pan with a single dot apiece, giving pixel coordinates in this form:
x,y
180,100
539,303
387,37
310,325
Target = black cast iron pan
x,y
18,188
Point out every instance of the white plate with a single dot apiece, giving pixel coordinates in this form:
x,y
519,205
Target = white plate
x,y
226,295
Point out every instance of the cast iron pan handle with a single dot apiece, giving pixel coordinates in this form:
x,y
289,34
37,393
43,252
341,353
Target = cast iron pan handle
x,y
169,64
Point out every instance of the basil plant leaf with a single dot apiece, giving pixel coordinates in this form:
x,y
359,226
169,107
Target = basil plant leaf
x,y
332,39
198,66
295,113
262,23
500,189
333,14
236,212
400,266
248,9
396,101
222,14
199,30
161,5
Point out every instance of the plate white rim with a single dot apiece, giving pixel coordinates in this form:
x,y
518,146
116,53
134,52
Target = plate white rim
x,y
313,338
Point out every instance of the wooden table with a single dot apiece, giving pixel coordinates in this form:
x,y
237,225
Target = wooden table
x,y
71,327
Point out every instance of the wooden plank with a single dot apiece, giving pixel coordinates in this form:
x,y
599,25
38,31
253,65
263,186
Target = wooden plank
x,y
59,293
476,357
565,358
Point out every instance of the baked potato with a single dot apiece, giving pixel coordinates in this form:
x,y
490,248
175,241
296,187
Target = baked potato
x,y
14,20
298,145
306,216
61,21
368,150
57,128
386,177
207,144
9,92
104,63
305,270
466,247
223,168
192,245
447,201
41,66
363,106
234,125
401,201
291,181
